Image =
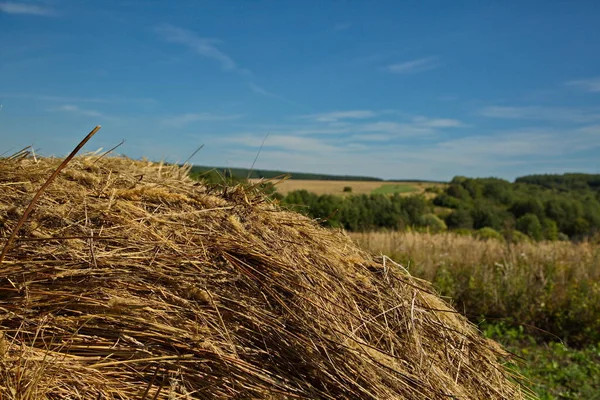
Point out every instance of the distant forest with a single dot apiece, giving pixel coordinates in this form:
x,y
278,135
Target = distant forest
x,y
538,207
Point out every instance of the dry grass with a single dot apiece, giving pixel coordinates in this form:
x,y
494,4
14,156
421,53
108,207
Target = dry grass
x,y
554,286
130,281
358,187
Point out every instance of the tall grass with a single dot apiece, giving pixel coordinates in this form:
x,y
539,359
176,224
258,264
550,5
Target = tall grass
x,y
550,288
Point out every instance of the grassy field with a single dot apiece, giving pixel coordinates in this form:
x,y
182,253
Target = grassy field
x,y
358,187
542,300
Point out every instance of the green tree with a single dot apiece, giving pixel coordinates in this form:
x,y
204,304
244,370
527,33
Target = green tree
x,y
550,229
460,219
498,189
446,200
485,214
531,205
530,225
458,191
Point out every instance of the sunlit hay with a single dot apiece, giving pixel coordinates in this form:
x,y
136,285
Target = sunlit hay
x,y
137,282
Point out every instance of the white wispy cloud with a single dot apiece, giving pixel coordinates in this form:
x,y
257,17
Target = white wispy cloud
x,y
26,9
395,129
77,110
340,115
365,123
414,66
507,153
415,126
205,47
591,130
542,113
589,85
185,119
437,122
371,137
262,91
284,142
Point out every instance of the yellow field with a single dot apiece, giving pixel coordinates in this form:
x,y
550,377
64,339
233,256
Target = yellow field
x,y
358,187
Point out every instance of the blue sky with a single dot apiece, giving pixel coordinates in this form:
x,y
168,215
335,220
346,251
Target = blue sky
x,y
394,89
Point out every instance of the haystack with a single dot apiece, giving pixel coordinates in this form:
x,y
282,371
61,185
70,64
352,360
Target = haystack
x,y
131,281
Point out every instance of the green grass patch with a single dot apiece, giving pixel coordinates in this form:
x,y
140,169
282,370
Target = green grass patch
x,y
393,189
552,370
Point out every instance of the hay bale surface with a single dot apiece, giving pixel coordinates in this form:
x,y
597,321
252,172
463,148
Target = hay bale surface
x,y
131,281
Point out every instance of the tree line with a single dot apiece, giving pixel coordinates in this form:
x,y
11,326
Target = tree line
x,y
541,207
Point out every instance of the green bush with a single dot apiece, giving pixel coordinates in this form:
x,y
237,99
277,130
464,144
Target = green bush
x,y
552,370
550,229
530,225
487,233
347,189
562,237
514,236
460,219
432,222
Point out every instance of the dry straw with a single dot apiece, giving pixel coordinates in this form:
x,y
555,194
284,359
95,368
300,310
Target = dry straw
x,y
128,280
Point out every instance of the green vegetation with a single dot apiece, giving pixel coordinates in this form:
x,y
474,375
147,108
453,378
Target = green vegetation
x,y
361,212
493,208
552,286
391,189
553,370
541,207
539,299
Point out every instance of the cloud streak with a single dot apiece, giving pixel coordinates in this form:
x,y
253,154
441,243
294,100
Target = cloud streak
x,y
414,66
26,9
188,118
76,110
336,116
589,85
262,91
205,47
541,113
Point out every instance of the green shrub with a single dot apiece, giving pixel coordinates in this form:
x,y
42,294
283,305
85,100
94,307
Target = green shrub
x,y
552,370
562,237
514,236
460,218
488,233
347,189
550,229
530,225
432,222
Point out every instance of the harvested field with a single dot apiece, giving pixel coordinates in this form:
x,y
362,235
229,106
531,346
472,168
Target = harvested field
x,y
358,187
131,281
